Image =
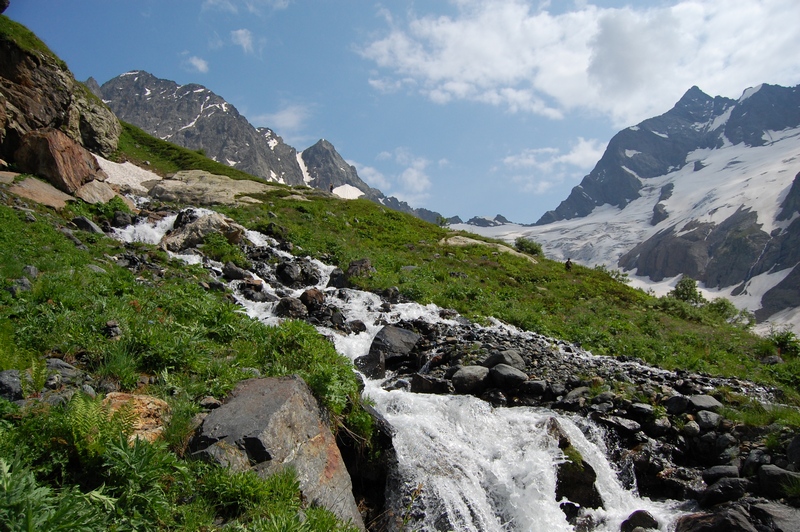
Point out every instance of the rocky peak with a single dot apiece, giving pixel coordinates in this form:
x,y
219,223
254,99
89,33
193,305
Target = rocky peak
x,y
326,167
195,117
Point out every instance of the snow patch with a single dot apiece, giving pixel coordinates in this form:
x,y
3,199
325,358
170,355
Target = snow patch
x,y
127,175
749,92
347,192
631,153
306,177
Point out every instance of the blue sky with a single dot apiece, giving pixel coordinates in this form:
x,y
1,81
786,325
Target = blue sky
x,y
465,107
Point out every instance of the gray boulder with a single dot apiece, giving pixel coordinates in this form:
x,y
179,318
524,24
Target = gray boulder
x,y
273,424
704,402
471,379
510,357
773,481
507,377
390,347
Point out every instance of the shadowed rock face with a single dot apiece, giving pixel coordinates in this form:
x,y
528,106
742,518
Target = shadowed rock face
x,y
273,424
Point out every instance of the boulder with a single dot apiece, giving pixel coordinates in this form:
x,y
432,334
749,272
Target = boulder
x,y
232,272
276,423
506,377
41,192
734,519
10,385
641,519
430,384
95,192
38,91
708,420
773,481
714,473
291,307
704,402
85,224
198,187
64,163
471,379
510,357
313,299
193,233
360,268
395,345
724,490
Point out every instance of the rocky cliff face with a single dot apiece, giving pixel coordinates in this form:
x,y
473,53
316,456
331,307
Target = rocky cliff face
x,y
196,118
38,91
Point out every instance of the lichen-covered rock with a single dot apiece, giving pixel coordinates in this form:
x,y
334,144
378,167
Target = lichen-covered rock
x,y
194,232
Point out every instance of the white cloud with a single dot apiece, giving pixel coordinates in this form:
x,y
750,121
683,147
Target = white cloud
x,y
221,5
626,63
538,170
408,181
252,6
243,38
198,64
290,118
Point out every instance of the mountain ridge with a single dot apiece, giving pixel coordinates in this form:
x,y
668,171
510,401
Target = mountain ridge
x,y
708,190
195,117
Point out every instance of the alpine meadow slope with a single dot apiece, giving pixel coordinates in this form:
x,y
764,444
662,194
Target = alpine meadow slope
x,y
708,190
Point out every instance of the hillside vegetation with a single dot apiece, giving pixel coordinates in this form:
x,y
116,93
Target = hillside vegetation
x,y
67,463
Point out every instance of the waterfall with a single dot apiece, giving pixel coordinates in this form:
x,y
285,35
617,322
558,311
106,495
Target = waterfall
x,y
463,464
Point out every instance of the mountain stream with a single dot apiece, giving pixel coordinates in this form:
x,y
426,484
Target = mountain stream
x,y
463,464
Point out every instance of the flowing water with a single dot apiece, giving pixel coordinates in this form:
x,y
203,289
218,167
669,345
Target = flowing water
x,y
464,465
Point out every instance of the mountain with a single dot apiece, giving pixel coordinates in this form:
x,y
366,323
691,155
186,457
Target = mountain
x,y
195,117
710,189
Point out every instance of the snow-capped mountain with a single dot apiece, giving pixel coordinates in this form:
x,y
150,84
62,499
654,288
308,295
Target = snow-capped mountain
x,y
710,189
196,118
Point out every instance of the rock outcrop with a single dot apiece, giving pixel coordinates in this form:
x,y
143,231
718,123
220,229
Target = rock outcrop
x,y
38,91
270,424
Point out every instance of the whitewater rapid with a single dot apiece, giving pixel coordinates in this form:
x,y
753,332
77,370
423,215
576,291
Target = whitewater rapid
x,y
464,465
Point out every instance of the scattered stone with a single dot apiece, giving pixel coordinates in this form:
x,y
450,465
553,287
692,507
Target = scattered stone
x,y
639,519
471,379
704,402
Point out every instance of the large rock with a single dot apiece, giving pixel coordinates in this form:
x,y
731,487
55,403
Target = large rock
x,y
774,481
193,233
390,347
198,187
734,519
274,424
51,154
471,379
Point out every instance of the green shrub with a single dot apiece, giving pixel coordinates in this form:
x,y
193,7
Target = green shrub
x,y
526,245
217,247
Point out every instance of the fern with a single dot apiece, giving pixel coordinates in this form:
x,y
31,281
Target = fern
x,y
94,426
25,505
